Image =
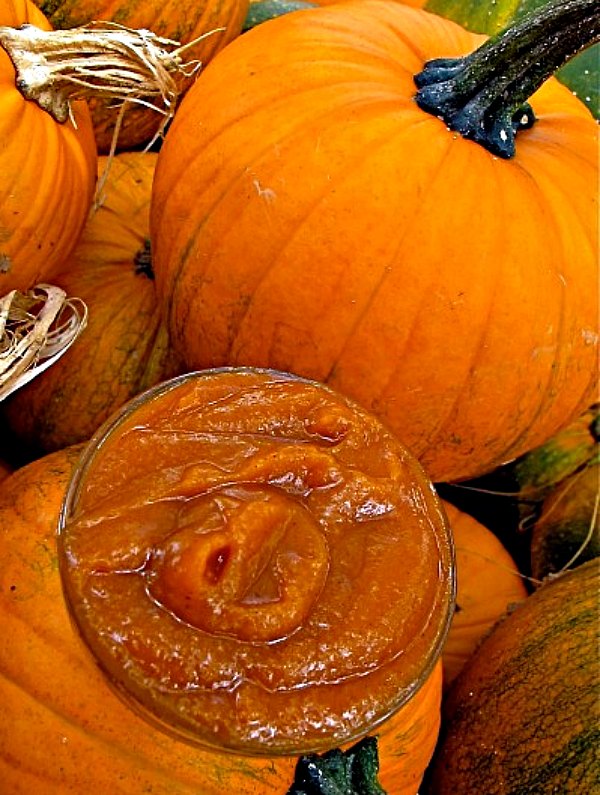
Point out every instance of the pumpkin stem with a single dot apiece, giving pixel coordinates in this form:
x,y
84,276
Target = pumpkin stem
x,y
143,261
55,68
483,95
36,328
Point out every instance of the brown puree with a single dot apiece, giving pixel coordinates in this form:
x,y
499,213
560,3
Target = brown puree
x,y
257,562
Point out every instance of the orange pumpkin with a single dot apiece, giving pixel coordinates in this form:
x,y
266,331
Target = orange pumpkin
x,y
47,173
523,715
64,731
488,586
180,20
308,216
124,348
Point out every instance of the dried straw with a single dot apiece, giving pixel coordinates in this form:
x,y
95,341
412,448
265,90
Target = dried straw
x,y
36,328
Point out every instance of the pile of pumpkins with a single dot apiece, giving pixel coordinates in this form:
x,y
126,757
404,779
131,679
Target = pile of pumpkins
x,y
305,213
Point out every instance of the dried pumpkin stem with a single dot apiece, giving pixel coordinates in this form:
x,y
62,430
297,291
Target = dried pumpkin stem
x,y
36,328
143,261
483,95
103,59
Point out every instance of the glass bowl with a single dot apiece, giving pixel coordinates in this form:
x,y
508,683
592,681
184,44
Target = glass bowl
x,y
256,563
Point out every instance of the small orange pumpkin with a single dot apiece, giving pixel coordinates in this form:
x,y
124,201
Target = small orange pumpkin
x,y
488,586
47,173
309,216
124,347
65,732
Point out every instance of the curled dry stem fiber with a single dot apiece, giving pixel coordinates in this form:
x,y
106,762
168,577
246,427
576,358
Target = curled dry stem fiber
x,y
36,328
102,59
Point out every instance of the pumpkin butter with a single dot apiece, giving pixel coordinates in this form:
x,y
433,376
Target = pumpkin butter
x,y
255,562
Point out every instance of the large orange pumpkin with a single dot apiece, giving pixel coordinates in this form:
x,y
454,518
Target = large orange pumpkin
x,y
179,20
307,215
47,173
63,729
124,348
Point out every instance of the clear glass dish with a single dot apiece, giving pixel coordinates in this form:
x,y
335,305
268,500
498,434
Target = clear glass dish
x,y
256,563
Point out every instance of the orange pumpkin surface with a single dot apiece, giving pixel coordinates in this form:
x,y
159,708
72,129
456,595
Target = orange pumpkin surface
x,y
308,216
488,586
124,347
47,173
179,20
65,732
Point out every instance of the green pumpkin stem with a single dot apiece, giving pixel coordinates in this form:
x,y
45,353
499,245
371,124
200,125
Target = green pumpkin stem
x,y
483,95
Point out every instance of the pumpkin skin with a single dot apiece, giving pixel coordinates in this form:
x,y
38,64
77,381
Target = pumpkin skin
x,y
523,715
64,731
567,531
325,225
180,20
48,173
488,586
124,348
539,472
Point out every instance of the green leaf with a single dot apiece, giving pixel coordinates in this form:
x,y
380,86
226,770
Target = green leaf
x,y
336,772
